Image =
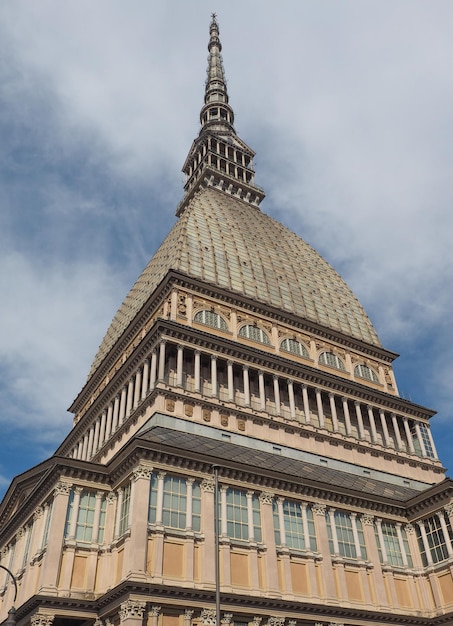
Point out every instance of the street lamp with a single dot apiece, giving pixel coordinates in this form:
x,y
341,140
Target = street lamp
x,y
11,619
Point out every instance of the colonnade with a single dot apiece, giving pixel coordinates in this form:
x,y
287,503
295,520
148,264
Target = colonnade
x,y
228,381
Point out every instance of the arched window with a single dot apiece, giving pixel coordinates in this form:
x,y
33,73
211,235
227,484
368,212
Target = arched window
x,y
294,346
332,360
254,333
210,318
365,372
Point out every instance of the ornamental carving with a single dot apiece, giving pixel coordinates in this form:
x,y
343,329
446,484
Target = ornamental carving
x,y
39,512
227,618
208,485
368,519
188,410
132,609
111,497
224,419
20,532
292,622
98,622
208,617
170,405
142,471
42,620
257,620
276,621
182,306
155,610
62,489
206,414
241,425
319,509
266,497
409,529
188,613
449,509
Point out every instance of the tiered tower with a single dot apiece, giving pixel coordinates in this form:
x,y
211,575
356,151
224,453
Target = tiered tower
x,y
239,347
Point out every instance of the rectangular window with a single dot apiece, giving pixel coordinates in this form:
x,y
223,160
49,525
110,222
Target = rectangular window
x,y
392,545
125,505
345,536
237,515
294,526
436,539
85,517
174,506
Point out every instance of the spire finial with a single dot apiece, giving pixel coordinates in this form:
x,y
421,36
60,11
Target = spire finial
x,y
218,157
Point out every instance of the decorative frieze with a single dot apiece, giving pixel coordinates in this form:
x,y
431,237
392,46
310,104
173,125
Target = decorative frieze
x,y
276,621
227,618
155,611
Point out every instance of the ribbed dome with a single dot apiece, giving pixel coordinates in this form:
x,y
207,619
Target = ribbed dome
x,y
226,243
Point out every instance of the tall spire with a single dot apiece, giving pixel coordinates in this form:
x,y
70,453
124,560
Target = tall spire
x,y
218,157
216,91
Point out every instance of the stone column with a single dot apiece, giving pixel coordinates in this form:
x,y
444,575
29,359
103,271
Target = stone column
x,y
160,497
245,373
137,388
358,411
250,524
443,525
179,365
104,422
276,394
385,429
197,369
399,534
214,387
408,434
97,427
189,502
130,396
322,422
271,581
145,381
262,390
51,561
138,545
85,446
97,516
306,404
396,428
425,541
90,444
333,410
327,569
372,421
230,378
122,405
161,373
347,417
116,413
373,556
292,403
153,372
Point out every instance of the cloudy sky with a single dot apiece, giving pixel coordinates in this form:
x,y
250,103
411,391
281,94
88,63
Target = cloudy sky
x,y
349,106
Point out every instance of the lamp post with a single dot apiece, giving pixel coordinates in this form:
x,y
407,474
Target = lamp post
x,y
11,619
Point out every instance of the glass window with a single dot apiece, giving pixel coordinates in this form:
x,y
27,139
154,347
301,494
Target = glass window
x,y
366,372
237,514
392,545
294,346
345,535
85,516
249,331
424,434
125,505
294,526
435,537
332,360
174,505
210,318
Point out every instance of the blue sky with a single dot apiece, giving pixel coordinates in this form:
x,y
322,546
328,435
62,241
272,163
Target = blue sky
x,y
349,107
